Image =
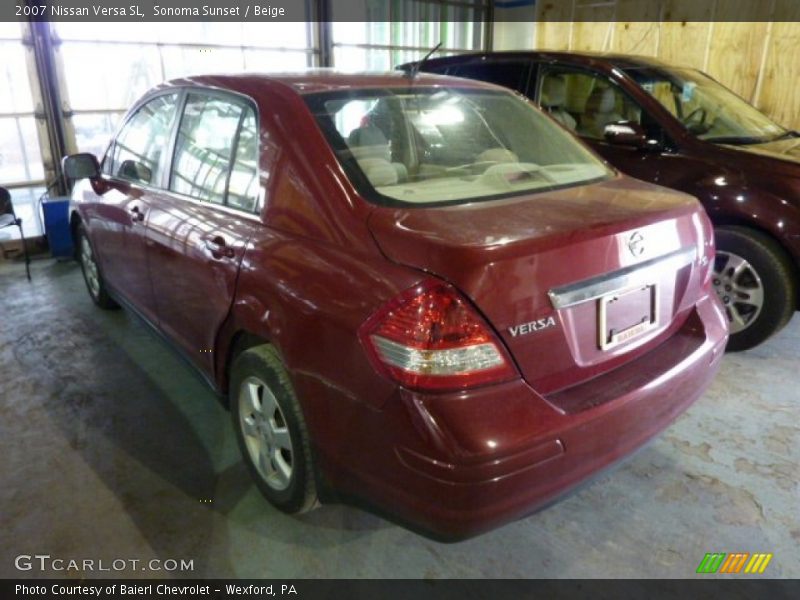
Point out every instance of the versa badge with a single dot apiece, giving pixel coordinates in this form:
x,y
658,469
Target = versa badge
x,y
532,326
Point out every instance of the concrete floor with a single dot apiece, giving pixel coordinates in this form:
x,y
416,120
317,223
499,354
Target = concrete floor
x,y
109,447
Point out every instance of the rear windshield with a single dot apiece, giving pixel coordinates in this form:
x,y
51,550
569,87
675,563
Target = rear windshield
x,y
430,146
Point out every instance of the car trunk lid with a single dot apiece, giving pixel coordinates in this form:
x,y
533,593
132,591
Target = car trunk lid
x,y
576,282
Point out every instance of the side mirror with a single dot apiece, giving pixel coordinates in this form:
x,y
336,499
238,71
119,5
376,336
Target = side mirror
x,y
135,171
80,166
625,133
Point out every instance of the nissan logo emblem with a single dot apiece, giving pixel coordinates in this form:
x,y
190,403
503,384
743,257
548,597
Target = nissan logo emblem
x,y
636,243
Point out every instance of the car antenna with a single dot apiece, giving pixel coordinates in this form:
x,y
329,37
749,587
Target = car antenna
x,y
413,69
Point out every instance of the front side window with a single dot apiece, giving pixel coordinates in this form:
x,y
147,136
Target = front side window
x,y
136,153
707,109
205,147
586,103
421,145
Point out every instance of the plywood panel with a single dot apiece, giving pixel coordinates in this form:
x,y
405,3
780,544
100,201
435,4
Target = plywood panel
x,y
736,48
593,29
759,60
636,38
637,27
684,38
779,97
734,56
786,10
688,10
553,25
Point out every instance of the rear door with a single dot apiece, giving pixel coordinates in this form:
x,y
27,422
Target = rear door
x,y
199,228
133,168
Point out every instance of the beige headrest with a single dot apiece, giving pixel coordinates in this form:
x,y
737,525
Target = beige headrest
x,y
368,142
554,92
379,171
602,100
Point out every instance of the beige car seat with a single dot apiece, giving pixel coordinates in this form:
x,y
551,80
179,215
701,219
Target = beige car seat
x,y
554,99
601,110
371,150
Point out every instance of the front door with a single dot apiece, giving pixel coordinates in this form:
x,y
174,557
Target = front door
x,y
132,170
199,227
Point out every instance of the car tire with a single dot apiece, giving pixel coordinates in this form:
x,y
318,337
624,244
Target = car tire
x,y
755,280
91,271
271,431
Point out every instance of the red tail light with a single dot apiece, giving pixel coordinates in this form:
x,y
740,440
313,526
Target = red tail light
x,y
430,338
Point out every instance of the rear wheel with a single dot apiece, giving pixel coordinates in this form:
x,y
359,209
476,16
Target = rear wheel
x,y
271,430
754,279
91,272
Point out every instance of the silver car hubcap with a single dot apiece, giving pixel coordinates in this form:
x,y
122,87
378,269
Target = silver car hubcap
x,y
266,434
739,288
89,267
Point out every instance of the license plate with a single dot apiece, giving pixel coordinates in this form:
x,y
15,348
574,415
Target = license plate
x,y
626,315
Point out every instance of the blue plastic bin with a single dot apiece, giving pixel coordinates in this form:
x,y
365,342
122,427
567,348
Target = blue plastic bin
x,y
56,226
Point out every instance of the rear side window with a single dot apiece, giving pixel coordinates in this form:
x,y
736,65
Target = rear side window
x,y
136,154
243,188
205,147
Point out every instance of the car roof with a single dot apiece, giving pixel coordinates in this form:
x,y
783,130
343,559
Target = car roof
x,y
621,61
323,80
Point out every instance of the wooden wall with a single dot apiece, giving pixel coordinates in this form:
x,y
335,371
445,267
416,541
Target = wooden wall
x,y
759,60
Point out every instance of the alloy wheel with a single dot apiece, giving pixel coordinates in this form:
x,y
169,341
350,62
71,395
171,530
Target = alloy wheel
x,y
266,433
740,289
90,267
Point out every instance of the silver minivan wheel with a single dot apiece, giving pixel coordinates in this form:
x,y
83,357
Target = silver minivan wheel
x,y
740,289
756,284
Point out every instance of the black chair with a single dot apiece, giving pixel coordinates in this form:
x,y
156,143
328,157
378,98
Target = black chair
x,y
8,218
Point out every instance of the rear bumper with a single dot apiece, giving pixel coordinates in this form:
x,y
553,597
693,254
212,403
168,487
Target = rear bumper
x,y
458,464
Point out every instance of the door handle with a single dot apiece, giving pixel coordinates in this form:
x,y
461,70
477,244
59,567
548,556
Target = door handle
x,y
219,247
137,214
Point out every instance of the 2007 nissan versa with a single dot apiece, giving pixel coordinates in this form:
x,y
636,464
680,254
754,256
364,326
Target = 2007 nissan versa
x,y
419,294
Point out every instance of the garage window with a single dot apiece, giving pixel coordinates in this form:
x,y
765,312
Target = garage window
x,y
21,164
400,31
131,60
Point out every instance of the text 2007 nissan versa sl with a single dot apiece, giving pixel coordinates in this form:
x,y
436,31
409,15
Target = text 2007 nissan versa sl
x,y
419,294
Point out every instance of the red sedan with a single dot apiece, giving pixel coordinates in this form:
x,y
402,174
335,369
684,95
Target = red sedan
x,y
416,293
